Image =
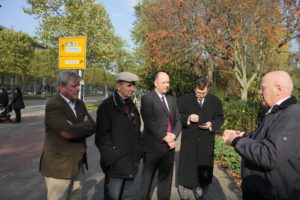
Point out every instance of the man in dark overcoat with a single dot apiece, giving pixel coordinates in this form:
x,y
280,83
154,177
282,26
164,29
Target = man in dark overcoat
x,y
67,125
201,115
270,166
118,138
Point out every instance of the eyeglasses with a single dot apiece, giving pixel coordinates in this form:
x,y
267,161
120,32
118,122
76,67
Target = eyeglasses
x,y
262,87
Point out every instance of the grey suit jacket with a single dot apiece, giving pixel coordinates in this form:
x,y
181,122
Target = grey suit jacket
x,y
61,158
156,121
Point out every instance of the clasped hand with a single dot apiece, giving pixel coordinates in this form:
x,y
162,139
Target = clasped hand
x,y
170,140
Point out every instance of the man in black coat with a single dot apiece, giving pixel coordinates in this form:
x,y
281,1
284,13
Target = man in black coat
x,y
118,139
17,103
271,155
161,127
201,115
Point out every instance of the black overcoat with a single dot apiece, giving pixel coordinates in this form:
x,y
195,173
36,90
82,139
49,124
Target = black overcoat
x,y
17,101
197,145
118,138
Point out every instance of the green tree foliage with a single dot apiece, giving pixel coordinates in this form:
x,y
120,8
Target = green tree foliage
x,y
16,52
43,67
44,64
72,18
94,76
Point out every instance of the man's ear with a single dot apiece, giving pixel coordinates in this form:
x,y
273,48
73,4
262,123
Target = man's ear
x,y
118,86
279,90
61,88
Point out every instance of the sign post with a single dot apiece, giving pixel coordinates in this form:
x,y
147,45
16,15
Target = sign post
x,y
72,55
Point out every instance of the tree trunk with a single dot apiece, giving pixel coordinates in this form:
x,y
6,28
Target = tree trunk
x,y
105,82
210,71
244,94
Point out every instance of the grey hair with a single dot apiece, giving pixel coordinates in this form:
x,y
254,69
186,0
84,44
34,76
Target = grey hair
x,y
65,76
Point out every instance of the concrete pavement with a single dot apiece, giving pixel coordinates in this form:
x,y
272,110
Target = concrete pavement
x,y
20,148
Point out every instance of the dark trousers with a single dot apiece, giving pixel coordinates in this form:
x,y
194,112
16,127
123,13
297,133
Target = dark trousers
x,y
162,163
118,188
18,115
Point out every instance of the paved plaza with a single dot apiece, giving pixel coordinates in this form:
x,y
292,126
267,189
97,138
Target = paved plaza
x,y
20,148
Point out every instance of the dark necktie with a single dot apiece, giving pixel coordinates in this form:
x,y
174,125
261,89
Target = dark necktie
x,y
169,115
200,103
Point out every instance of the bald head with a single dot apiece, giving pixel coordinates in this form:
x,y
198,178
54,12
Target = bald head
x,y
280,78
275,86
162,82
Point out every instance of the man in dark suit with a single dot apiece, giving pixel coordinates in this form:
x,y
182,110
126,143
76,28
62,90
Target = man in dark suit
x,y
161,127
201,115
67,124
271,155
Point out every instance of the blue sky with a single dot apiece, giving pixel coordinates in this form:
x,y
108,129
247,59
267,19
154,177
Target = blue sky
x,y
121,14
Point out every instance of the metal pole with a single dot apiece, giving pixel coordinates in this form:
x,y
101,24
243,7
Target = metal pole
x,y
81,92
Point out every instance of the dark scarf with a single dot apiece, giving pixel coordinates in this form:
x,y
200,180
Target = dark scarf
x,y
123,104
290,101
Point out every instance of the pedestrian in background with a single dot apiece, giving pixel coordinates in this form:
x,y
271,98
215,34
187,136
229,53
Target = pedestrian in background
x,y
201,115
4,99
118,139
161,127
270,166
17,103
67,125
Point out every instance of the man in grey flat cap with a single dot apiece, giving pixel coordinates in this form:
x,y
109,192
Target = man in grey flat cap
x,y
118,139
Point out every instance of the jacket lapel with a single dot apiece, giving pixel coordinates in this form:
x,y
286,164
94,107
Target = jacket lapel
x,y
157,100
68,110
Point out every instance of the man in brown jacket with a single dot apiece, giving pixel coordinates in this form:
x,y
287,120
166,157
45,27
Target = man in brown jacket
x,y
67,124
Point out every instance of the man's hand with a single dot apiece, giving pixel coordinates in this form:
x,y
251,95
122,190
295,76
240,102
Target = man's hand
x,y
230,135
193,118
170,137
172,145
206,125
86,119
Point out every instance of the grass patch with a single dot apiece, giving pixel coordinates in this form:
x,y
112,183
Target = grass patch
x,y
92,106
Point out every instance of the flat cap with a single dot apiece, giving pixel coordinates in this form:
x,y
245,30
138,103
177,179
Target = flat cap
x,y
127,77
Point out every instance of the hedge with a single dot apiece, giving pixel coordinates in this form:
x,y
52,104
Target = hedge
x,y
239,115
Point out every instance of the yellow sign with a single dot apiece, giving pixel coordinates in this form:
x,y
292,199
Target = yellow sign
x,y
72,53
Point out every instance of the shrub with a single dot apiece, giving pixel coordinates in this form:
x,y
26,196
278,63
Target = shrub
x,y
239,115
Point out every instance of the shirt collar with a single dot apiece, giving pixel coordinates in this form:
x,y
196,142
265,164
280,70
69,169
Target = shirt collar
x,y
277,103
160,95
67,100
